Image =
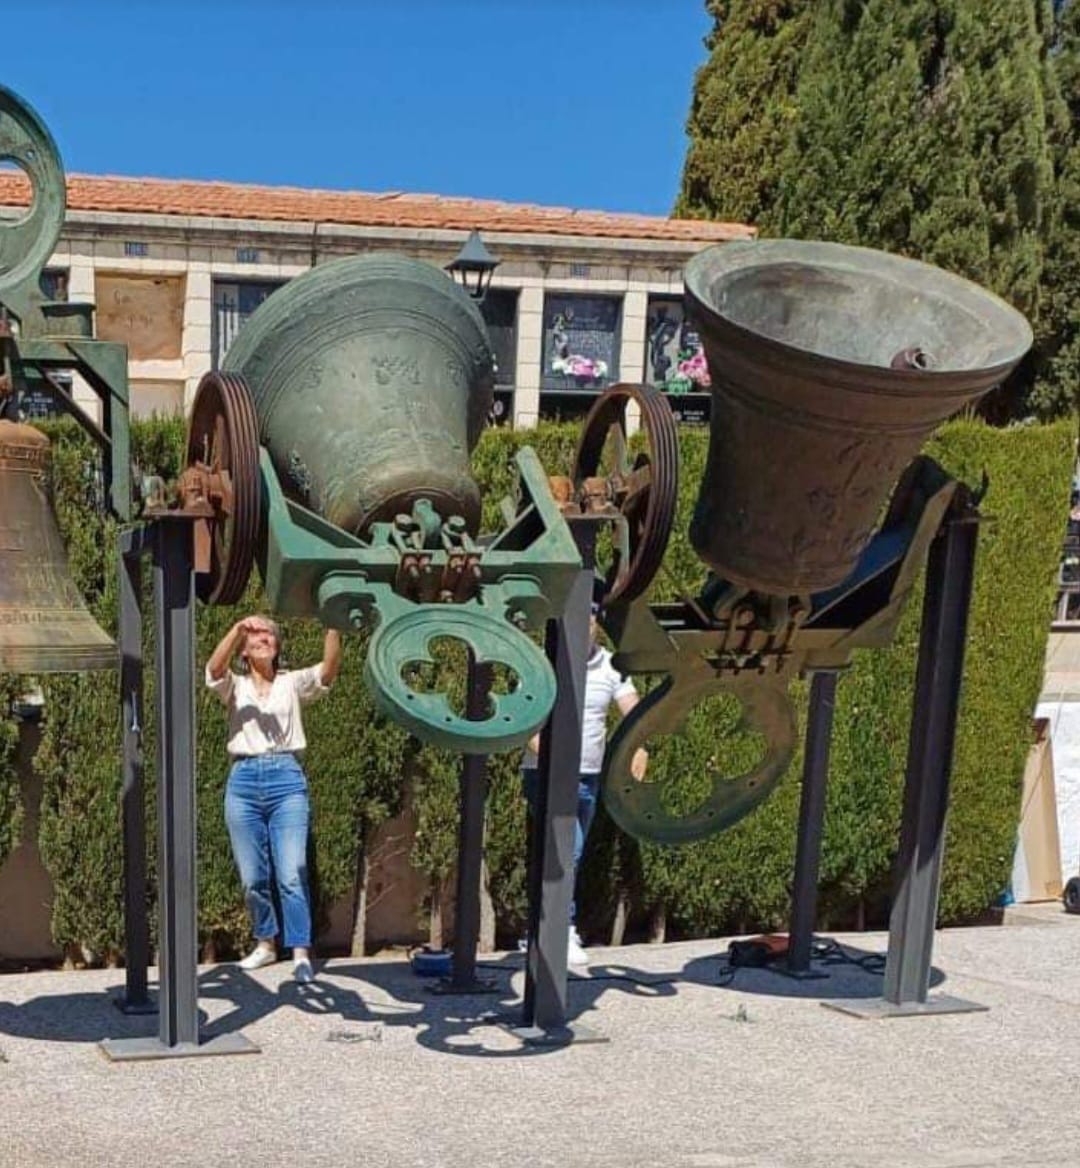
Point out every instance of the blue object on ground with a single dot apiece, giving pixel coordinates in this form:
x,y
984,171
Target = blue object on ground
x,y
431,962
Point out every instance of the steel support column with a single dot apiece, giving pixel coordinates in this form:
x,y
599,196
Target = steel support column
x,y
470,858
949,578
136,998
819,723
174,625
554,820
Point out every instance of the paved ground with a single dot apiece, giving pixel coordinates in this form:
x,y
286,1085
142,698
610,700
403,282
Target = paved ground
x,y
367,1067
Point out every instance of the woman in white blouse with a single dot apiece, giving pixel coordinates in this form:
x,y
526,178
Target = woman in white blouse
x,y
266,797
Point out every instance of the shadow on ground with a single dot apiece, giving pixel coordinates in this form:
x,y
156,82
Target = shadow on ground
x,y
387,995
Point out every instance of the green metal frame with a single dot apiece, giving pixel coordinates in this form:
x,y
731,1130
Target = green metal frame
x,y
704,649
512,582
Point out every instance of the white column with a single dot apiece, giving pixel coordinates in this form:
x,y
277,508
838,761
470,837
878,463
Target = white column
x,y
632,348
81,291
81,278
530,333
195,346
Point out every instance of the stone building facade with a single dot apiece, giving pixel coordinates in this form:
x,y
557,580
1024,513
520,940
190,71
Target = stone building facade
x,y
580,299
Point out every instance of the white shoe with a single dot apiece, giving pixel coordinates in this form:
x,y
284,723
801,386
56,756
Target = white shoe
x,y
302,971
258,957
575,951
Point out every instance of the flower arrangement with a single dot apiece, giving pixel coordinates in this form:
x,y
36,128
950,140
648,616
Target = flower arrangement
x,y
691,373
581,369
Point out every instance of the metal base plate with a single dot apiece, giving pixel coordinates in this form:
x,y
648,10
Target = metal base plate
x,y
446,987
147,1006
573,1033
880,1008
121,1050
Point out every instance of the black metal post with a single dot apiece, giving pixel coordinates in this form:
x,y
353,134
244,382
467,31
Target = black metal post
x,y
811,821
473,792
949,578
174,613
174,622
551,876
136,998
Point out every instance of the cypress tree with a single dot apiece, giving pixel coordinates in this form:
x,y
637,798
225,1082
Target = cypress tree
x,y
743,108
933,128
1058,384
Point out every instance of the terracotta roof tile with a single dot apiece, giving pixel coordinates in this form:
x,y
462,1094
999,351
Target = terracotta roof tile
x,y
377,209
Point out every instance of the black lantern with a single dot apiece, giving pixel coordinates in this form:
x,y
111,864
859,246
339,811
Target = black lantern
x,y
472,267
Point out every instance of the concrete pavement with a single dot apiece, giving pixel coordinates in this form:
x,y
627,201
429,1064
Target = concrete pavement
x,y
367,1066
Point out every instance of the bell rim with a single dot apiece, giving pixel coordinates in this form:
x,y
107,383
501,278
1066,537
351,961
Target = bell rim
x,y
707,266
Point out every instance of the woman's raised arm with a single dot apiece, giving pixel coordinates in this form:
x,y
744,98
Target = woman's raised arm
x,y
331,658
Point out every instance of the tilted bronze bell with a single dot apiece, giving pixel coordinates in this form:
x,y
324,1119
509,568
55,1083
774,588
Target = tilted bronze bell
x,y
372,378
45,626
830,365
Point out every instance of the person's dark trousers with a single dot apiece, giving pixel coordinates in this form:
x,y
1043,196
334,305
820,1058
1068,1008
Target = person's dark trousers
x,y
588,792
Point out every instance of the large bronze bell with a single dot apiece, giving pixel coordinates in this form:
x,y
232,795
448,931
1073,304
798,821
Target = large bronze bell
x,y
830,367
45,626
372,378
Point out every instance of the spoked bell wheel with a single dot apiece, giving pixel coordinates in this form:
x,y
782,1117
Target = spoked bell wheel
x,y
223,453
641,489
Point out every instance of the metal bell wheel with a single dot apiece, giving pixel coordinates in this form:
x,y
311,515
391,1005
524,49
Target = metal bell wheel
x,y
223,448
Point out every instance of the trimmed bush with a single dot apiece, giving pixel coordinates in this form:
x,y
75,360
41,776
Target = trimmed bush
x,y
358,763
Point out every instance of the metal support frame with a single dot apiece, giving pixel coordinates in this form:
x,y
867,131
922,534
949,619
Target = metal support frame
x,y
172,544
135,998
819,724
551,851
949,579
103,367
470,858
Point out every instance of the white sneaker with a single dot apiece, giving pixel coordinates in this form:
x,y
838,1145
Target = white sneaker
x,y
302,971
258,957
575,951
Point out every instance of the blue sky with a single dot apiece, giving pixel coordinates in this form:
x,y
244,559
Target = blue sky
x,y
579,104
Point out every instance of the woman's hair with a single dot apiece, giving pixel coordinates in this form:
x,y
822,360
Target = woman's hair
x,y
245,666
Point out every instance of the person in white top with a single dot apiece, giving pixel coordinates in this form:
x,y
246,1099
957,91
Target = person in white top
x,y
266,796
604,686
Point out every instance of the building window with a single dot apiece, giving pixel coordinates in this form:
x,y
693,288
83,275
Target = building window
x,y
234,302
675,360
53,283
580,351
499,309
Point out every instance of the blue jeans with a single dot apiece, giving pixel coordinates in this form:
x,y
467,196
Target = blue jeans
x,y
588,791
267,813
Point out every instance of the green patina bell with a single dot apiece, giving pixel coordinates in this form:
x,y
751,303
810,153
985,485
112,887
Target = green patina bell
x,y
831,365
372,378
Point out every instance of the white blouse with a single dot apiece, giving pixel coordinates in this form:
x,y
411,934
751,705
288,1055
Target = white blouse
x,y
271,722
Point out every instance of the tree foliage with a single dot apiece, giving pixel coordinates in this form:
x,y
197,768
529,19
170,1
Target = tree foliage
x,y
945,130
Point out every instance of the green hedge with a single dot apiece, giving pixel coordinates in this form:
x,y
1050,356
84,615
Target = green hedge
x,y
358,763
